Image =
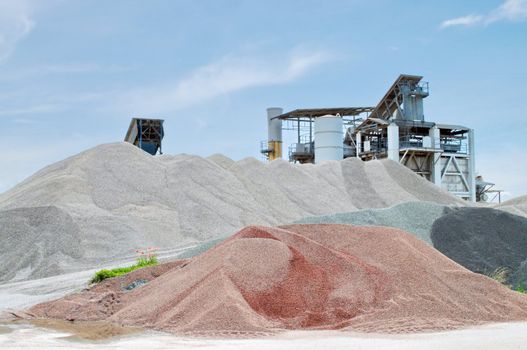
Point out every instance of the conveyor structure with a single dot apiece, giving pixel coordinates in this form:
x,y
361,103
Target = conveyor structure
x,y
147,134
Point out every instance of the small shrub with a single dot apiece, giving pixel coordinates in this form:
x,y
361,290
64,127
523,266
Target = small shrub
x,y
152,260
520,288
144,259
501,274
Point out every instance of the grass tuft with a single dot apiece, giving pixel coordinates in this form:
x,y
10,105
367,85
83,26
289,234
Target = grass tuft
x,y
501,274
145,259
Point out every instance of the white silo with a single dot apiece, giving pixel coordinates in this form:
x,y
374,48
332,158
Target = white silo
x,y
328,138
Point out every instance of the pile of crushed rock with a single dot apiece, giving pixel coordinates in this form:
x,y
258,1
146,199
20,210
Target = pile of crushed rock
x,y
102,204
517,206
480,239
369,279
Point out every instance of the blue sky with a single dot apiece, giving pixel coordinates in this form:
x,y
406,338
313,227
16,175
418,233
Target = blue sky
x,y
73,73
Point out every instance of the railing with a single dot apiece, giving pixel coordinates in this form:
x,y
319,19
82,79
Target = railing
x,y
301,151
424,87
376,146
447,145
410,142
454,147
264,147
421,88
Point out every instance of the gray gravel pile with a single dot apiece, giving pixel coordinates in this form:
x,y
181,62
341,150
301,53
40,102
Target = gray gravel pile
x,y
483,239
116,198
413,217
41,237
517,206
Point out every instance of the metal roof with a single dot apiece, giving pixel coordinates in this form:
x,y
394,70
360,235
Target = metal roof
x,y
319,112
452,127
484,183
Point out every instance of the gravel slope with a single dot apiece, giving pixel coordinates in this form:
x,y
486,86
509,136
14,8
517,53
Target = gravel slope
x,y
517,206
368,279
414,217
483,239
115,198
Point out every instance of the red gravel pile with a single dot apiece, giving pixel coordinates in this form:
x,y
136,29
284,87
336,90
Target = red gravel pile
x,y
372,279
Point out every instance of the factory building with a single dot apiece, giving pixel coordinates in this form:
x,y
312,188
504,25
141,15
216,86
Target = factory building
x,y
395,128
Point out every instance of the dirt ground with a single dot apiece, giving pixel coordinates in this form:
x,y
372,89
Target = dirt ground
x,y
495,337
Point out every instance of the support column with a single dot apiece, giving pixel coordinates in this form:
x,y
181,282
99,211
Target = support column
x,y
358,141
472,165
393,142
436,166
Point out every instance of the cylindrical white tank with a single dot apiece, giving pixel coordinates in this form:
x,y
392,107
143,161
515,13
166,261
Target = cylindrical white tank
x,y
328,138
274,126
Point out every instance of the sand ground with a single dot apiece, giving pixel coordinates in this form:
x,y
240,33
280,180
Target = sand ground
x,y
496,336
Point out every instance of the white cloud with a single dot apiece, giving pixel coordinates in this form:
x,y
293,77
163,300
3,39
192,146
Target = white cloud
x,y
227,75
42,108
24,104
36,70
469,20
15,23
510,10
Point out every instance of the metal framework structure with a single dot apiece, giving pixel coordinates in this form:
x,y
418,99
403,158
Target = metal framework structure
x,y
147,134
301,122
395,97
484,189
396,129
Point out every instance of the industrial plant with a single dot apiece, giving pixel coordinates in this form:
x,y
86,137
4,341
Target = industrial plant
x,y
395,129
248,248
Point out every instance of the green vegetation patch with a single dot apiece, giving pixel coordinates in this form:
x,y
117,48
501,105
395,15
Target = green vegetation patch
x,y
520,287
141,262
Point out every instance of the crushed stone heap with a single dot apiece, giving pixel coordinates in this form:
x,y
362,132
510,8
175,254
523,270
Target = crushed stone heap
x,y
483,240
115,198
517,206
370,279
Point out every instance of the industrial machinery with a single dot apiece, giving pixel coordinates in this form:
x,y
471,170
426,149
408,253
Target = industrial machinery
x,y
147,134
485,191
305,123
395,128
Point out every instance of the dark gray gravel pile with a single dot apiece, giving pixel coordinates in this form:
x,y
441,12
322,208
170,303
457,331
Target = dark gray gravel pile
x,y
483,239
